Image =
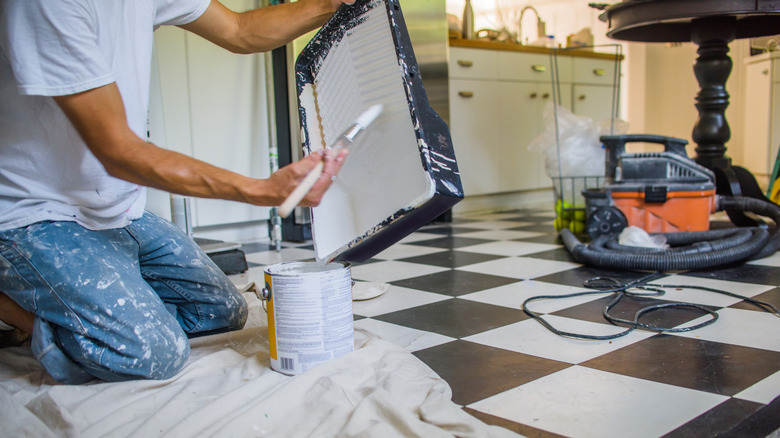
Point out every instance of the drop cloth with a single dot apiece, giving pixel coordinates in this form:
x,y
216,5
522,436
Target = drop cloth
x,y
227,389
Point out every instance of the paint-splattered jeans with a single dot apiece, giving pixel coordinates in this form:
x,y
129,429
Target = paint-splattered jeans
x,y
115,304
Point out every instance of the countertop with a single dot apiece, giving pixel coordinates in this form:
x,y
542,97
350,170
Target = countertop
x,y
498,45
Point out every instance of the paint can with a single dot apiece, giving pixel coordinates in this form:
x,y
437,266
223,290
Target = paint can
x,y
309,307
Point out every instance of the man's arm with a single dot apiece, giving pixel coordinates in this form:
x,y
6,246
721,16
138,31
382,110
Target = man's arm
x,y
99,117
262,29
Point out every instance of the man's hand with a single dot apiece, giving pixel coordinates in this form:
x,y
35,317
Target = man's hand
x,y
264,29
286,179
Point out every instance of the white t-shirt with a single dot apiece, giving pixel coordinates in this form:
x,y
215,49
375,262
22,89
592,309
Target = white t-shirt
x,y
58,47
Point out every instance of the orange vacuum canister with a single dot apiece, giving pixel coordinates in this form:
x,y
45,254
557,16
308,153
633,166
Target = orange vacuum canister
x,y
660,192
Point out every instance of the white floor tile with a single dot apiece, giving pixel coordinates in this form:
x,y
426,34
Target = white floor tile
x,y
749,328
391,270
494,224
285,255
508,248
764,391
402,251
420,237
708,298
530,337
545,213
513,295
519,267
407,338
581,402
496,216
500,235
773,260
396,298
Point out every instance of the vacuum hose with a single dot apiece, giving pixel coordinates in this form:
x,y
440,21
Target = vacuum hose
x,y
689,250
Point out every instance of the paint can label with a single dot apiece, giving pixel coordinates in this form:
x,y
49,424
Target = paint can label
x,y
309,314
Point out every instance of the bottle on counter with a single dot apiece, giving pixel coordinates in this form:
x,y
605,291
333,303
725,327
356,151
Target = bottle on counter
x,y
467,22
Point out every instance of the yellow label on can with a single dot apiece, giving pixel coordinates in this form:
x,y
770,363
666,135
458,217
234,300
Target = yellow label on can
x,y
270,310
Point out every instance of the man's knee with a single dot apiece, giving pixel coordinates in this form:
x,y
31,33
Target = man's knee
x,y
149,354
165,360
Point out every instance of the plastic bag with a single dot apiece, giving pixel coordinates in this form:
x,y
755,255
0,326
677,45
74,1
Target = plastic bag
x,y
635,236
581,152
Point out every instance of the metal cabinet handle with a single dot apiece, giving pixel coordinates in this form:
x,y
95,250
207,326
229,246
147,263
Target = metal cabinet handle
x,y
546,96
465,63
582,97
539,68
599,71
765,72
533,95
466,94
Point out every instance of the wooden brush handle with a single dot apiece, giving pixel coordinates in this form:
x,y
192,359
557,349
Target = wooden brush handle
x,y
300,192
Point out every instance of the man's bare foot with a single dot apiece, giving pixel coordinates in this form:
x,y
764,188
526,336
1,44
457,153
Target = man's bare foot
x,y
14,315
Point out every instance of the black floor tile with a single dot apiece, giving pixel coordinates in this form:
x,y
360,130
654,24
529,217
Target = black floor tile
x,y
691,363
764,423
450,242
771,296
718,420
454,282
447,230
627,309
454,317
522,429
551,239
577,277
558,255
451,259
746,273
477,371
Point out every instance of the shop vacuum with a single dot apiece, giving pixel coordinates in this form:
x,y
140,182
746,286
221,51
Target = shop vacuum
x,y
668,194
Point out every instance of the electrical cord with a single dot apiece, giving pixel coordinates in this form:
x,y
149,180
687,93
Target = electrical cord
x,y
608,285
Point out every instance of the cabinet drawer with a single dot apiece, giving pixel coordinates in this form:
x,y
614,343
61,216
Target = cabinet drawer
x,y
594,71
472,63
518,66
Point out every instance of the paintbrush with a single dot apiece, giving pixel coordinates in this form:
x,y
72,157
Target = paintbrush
x,y
345,140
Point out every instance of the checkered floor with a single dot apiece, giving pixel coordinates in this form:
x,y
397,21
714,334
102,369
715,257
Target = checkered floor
x,y
455,298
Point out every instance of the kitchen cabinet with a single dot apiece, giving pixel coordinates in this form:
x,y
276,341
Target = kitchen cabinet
x,y
761,122
497,100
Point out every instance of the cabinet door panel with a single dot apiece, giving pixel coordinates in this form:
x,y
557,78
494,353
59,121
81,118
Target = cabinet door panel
x,y
518,114
594,101
474,130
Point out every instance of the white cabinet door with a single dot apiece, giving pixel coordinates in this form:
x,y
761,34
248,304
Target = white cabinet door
x,y
475,132
518,112
594,101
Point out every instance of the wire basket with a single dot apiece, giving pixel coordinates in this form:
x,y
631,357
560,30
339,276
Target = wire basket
x,y
570,209
567,190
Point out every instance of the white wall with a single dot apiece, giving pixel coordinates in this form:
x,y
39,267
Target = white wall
x,y
670,90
